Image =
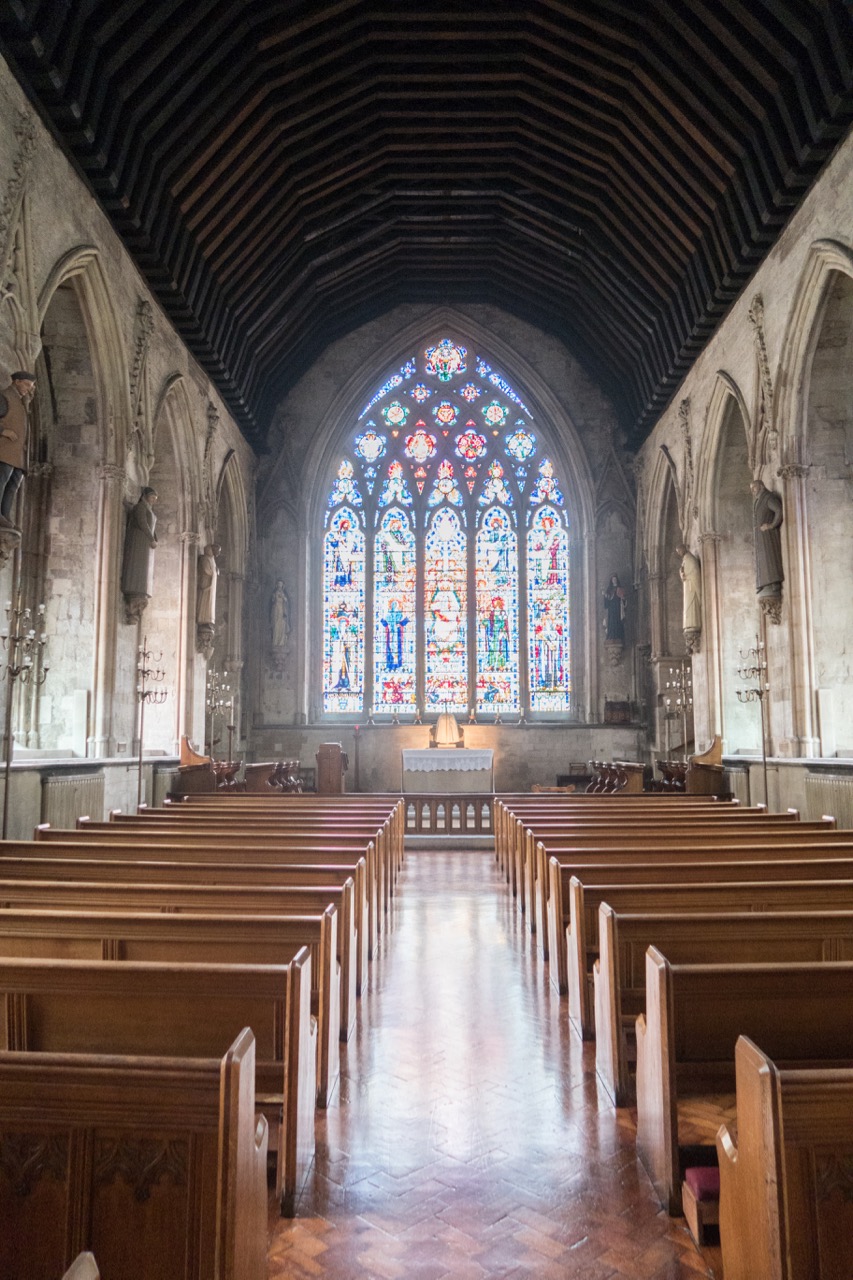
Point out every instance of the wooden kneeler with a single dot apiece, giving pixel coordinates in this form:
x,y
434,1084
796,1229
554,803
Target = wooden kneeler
x,y
700,1199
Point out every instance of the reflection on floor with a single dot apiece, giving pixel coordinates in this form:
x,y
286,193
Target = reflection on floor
x,y
470,1138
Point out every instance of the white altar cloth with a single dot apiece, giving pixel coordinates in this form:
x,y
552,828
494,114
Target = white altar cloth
x,y
450,769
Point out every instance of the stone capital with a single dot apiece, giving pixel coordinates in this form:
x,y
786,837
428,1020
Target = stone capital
x,y
794,470
190,538
710,535
111,471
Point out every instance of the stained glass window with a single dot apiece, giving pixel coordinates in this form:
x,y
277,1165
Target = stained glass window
x,y
446,613
343,592
419,613
497,614
548,611
395,612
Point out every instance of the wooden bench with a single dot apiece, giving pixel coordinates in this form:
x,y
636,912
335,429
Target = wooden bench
x,y
657,839
785,1206
138,1008
800,1013
114,1153
135,846
700,938
758,862
251,824
87,934
299,903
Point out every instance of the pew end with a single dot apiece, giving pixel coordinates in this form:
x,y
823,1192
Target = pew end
x,y
84,1267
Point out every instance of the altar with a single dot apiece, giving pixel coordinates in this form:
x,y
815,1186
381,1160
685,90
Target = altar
x,y
448,769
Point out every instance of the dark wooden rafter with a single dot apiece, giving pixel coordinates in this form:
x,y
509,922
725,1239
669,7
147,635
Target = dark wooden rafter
x,y
282,173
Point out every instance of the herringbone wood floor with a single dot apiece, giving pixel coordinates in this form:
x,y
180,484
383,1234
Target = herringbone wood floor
x,y
469,1138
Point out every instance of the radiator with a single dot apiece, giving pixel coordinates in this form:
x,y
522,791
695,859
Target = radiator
x,y
830,793
67,797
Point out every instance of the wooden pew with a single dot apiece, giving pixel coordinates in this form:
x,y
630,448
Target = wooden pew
x,y
806,861
101,1152
378,826
138,1008
700,938
50,927
800,1013
133,846
785,1207
691,835
35,885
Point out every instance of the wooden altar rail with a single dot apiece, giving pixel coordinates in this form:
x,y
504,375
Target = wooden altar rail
x,y
439,814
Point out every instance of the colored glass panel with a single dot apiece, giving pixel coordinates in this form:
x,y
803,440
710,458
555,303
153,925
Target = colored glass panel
x,y
445,360
395,612
345,488
343,614
545,488
495,413
548,612
395,414
445,486
420,393
497,613
445,414
420,445
395,488
471,392
495,488
470,444
370,445
500,384
445,607
396,380
521,444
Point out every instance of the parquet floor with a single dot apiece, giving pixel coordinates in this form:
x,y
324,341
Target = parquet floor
x,y
469,1138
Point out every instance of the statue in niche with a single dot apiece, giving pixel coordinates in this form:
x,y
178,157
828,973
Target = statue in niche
x,y
769,572
279,620
208,574
690,573
14,425
615,602
137,569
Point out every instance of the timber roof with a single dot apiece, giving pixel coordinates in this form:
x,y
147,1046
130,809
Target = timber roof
x,y
282,172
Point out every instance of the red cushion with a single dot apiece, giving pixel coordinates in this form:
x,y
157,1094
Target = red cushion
x,y
703,1182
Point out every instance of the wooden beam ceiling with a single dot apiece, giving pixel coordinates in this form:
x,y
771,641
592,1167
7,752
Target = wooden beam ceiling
x,y
283,172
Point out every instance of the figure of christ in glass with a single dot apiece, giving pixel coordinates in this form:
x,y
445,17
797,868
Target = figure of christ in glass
x,y
497,613
445,599
548,611
394,612
343,631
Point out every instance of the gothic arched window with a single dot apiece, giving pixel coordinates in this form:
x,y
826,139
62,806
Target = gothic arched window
x,y
446,551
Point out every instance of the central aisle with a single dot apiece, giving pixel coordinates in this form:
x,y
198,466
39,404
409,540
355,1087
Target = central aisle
x,y
467,1140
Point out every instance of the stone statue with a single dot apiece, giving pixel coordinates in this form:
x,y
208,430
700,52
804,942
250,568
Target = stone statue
x,y
137,569
14,400
208,572
279,616
769,573
690,573
615,602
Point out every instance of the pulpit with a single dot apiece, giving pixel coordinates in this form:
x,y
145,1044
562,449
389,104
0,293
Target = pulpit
x,y
196,774
332,764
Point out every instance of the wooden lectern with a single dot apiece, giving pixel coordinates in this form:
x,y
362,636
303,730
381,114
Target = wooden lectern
x,y
332,764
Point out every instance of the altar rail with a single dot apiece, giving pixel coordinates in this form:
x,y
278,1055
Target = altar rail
x,y
449,815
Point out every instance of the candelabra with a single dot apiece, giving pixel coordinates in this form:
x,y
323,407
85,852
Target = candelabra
x,y
678,698
146,674
753,667
219,697
26,661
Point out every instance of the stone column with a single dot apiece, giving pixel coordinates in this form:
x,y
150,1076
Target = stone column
x,y
190,665
708,699
234,646
108,608
805,738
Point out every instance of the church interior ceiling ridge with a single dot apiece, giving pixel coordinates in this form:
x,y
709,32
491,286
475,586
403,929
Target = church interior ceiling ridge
x,y
283,172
